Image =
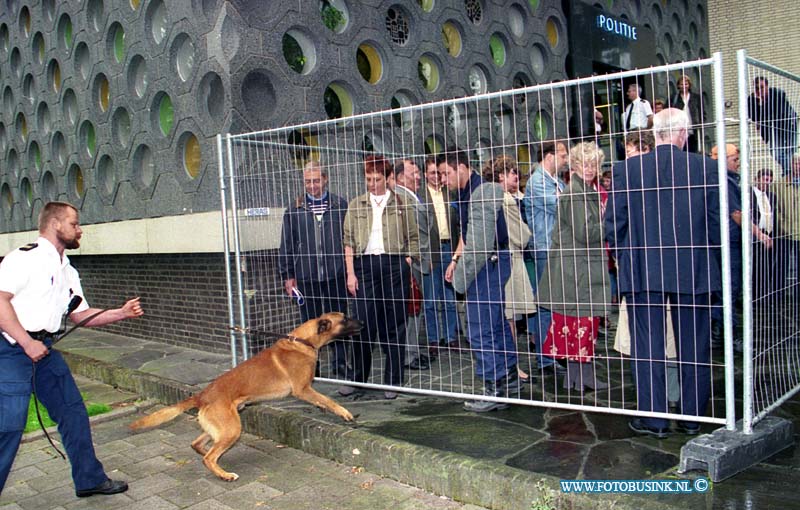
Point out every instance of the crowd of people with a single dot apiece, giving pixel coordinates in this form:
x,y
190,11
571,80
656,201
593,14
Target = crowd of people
x,y
551,259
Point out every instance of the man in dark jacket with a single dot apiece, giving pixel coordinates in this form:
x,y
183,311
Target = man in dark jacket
x,y
662,222
770,110
311,260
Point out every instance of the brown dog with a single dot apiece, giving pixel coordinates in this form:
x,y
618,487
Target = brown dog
x,y
287,367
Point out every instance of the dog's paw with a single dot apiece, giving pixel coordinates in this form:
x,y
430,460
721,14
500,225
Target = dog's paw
x,y
347,416
230,477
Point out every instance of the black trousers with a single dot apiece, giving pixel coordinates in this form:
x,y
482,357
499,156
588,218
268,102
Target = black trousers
x,y
384,283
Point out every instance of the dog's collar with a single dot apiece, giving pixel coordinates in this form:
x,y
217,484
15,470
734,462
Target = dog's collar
x,y
300,341
279,336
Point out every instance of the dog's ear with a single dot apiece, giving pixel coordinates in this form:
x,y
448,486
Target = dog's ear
x,y
323,325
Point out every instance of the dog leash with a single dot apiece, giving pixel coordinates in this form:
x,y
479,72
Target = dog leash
x,y
73,304
271,334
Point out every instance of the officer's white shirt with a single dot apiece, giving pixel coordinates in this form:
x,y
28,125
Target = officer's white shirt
x,y
42,284
639,110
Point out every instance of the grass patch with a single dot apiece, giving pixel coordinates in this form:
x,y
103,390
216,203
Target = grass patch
x,y
33,422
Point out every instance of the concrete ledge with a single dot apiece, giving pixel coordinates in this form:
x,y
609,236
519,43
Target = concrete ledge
x,y
725,453
463,478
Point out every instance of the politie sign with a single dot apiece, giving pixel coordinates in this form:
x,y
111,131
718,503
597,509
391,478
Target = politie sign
x,y
617,26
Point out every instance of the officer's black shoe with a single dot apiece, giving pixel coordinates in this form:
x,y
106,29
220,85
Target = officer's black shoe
x,y
106,488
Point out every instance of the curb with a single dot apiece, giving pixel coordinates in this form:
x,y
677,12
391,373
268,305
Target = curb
x,y
456,476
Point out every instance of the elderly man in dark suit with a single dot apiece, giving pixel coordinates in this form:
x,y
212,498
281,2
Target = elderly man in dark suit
x,y
662,222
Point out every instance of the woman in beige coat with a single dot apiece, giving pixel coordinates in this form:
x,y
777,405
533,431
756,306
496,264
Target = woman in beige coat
x,y
518,291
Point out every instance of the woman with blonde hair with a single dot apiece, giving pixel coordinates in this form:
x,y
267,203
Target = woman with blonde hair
x,y
518,290
575,284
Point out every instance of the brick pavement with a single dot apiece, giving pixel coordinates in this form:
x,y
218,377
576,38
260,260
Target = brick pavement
x,y
164,473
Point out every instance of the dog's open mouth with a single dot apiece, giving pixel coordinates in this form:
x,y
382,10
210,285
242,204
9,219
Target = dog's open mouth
x,y
350,327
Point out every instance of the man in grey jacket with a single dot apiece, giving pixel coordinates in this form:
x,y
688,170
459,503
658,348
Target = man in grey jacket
x,y
480,268
407,178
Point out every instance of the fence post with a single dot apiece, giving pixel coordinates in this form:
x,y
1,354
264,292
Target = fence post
x,y
724,223
237,251
226,247
747,291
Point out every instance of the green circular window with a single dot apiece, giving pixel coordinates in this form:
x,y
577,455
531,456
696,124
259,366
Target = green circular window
x,y
534,4
299,52
88,138
166,114
118,40
428,72
432,145
65,31
192,158
540,129
369,63
497,47
338,102
451,37
426,5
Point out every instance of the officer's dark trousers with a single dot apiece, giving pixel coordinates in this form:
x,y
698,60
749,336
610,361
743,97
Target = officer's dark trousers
x,y
488,330
691,323
384,283
58,393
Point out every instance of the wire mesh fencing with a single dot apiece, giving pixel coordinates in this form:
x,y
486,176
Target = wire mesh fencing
x,y
489,245
769,99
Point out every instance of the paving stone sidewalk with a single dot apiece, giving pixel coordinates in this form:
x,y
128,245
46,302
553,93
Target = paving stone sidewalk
x,y
164,473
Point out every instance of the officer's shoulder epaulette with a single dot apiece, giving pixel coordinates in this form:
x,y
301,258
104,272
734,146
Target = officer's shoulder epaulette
x,y
28,247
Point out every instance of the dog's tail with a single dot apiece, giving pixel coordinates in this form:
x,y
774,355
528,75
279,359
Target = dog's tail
x,y
164,415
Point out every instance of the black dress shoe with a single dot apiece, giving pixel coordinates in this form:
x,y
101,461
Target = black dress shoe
x,y
640,428
106,488
690,429
420,363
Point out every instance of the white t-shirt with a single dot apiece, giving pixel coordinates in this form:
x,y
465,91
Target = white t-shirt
x,y
375,244
42,284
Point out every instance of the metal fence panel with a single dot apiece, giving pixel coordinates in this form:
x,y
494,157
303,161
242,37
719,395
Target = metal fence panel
x,y
265,175
769,99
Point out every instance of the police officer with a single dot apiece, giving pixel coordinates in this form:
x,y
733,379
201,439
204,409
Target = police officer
x,y
37,284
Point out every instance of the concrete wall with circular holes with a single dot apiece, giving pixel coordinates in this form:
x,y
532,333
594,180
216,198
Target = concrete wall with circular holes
x,y
113,105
